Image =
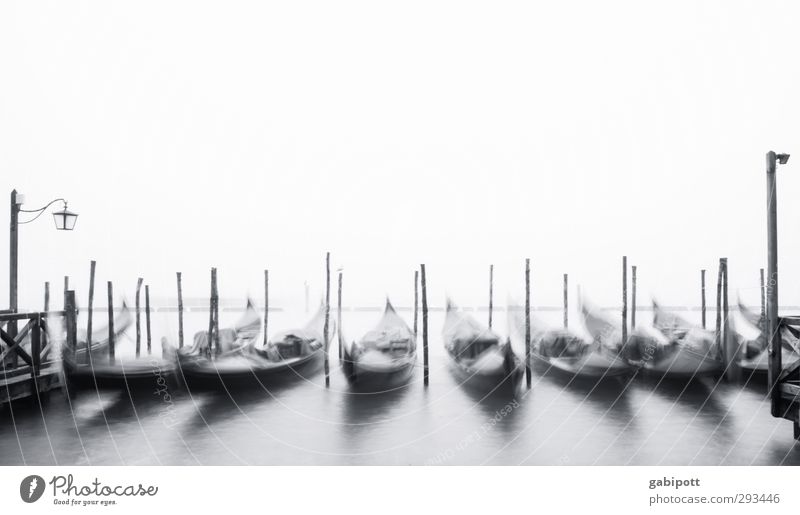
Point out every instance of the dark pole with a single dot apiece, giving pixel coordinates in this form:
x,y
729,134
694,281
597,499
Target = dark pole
x,y
703,296
89,314
327,315
13,263
69,319
719,305
731,366
66,287
416,302
210,314
138,318
773,334
566,301
624,299
528,322
180,312
111,342
217,348
633,297
424,284
763,303
147,316
491,293
47,296
266,306
339,316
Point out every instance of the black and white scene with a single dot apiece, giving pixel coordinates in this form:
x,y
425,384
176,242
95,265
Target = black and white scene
x,y
399,233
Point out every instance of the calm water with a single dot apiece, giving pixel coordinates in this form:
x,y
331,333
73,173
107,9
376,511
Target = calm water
x,y
557,422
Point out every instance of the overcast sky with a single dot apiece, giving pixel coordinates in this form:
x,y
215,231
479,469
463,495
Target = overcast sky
x,y
252,135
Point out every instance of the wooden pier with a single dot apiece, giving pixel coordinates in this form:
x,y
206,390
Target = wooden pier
x,y
30,364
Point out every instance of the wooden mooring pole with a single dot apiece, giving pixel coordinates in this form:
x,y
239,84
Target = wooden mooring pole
x,y
703,297
138,317
491,293
111,342
624,299
528,322
147,317
730,347
416,302
66,288
70,322
566,301
217,348
46,296
266,307
633,297
180,312
327,316
211,313
424,285
339,317
90,312
718,327
763,316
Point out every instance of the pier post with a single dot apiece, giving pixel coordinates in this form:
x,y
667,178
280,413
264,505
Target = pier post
x,y
491,293
730,346
70,321
66,287
566,301
416,302
719,306
138,318
528,322
703,297
763,316
624,299
211,314
111,342
147,317
633,297
217,348
89,312
180,312
46,296
339,317
327,316
266,307
424,285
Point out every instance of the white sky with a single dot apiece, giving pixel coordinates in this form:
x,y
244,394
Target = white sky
x,y
246,135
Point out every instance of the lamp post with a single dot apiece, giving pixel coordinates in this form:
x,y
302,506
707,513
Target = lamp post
x,y
64,220
772,329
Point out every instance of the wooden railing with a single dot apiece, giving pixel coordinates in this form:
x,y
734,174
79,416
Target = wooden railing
x,y
29,350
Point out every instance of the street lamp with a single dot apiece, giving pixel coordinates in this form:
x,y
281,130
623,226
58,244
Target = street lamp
x,y
772,330
64,219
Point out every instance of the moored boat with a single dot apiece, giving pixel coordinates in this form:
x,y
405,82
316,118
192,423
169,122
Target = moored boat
x,y
749,333
684,350
566,350
478,357
200,365
384,358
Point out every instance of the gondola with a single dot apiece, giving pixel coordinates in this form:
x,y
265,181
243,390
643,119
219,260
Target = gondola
x,y
750,336
567,351
685,350
201,365
288,355
123,372
384,358
479,359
